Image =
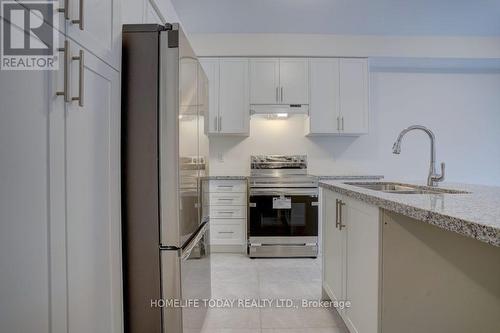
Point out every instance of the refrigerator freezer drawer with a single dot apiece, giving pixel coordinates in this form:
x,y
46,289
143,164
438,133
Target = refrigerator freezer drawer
x,y
186,276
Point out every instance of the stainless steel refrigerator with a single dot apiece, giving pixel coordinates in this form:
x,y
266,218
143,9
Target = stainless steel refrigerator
x,y
165,233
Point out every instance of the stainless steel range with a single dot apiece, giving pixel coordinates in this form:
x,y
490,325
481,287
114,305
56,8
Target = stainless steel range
x,y
283,208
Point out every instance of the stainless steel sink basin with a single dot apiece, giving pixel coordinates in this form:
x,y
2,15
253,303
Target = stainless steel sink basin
x,y
398,188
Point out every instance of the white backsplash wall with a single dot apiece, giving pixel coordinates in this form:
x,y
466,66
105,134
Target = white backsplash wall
x,y
463,110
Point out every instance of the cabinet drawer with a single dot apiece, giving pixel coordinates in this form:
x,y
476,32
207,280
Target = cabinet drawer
x,y
236,186
227,234
241,222
225,199
228,212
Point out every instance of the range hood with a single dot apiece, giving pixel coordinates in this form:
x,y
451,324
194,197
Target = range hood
x,y
274,109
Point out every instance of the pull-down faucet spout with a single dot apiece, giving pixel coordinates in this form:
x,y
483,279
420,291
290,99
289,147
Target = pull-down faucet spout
x,y
433,176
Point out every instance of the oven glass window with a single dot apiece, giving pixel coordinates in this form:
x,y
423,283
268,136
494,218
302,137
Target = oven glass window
x,y
298,218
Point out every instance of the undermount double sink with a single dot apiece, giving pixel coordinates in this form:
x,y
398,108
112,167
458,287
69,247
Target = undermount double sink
x,y
398,188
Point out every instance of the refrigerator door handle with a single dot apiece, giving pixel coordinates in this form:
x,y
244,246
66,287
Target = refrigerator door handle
x,y
187,251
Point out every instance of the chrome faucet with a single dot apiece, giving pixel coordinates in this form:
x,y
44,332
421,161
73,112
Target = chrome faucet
x,y
433,177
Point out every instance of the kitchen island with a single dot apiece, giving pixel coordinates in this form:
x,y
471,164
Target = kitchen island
x,y
413,262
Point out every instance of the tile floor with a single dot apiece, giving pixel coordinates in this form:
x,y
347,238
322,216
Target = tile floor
x,y
236,276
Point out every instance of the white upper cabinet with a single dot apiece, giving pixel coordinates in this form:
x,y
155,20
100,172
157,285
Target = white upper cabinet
x,y
211,68
188,84
96,25
339,96
354,96
234,104
294,81
228,95
264,80
279,81
324,107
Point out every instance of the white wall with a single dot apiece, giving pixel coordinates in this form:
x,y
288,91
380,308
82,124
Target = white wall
x,y
339,45
463,109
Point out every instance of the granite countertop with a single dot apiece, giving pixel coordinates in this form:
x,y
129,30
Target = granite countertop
x,y
224,178
321,177
475,214
350,177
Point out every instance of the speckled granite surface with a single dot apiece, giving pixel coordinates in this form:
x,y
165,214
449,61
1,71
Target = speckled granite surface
x,y
335,177
475,214
225,177
350,177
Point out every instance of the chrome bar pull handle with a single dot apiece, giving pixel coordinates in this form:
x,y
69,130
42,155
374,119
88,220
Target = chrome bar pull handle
x,y
282,94
216,128
66,69
81,68
65,9
342,122
338,123
277,94
80,16
220,123
337,213
341,225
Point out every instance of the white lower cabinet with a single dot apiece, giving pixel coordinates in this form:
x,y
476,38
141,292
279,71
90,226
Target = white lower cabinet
x,y
351,264
226,202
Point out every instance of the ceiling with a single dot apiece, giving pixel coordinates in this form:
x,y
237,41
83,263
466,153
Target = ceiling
x,y
346,17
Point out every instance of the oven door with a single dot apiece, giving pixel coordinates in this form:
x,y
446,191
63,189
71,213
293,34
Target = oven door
x,y
283,213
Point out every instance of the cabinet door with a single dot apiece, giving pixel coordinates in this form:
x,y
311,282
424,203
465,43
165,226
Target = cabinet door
x,y
354,95
32,211
234,106
362,275
151,14
333,248
294,81
324,103
211,68
188,78
93,202
100,32
264,80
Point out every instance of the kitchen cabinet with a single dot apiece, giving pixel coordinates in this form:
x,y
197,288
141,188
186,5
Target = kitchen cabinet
x,y
226,201
279,81
152,13
211,68
188,78
264,80
96,25
333,248
93,230
354,95
31,201
228,92
339,102
324,106
351,251
60,199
